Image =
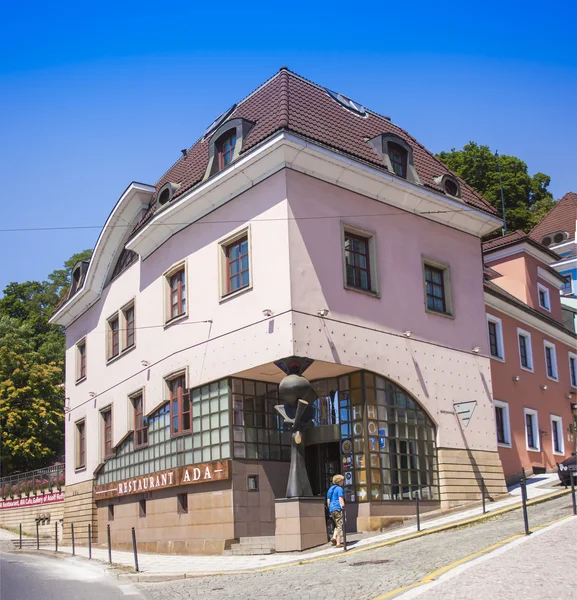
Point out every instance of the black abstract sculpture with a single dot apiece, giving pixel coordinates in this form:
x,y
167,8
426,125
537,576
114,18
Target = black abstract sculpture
x,y
297,396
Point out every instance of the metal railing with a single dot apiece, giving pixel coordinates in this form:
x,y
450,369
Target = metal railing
x,y
35,481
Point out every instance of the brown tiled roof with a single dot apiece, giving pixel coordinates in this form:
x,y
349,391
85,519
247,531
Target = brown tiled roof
x,y
499,292
289,102
514,238
560,218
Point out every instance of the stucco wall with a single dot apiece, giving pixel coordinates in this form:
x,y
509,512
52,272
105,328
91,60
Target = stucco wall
x,y
436,365
239,335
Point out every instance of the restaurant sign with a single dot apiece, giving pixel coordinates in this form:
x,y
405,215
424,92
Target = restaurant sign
x,y
32,501
202,473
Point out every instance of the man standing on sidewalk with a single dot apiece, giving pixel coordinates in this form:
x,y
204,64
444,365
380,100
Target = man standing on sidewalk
x,y
336,503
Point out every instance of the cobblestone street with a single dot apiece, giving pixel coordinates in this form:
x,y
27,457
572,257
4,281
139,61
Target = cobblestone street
x,y
362,575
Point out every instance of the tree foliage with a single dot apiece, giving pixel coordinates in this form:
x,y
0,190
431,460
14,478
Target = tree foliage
x,y
527,199
32,371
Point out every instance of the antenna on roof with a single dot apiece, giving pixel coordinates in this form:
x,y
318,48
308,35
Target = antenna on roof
x,y
184,152
502,196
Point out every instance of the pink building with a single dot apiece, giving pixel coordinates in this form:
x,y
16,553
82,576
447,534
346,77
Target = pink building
x,y
300,224
533,355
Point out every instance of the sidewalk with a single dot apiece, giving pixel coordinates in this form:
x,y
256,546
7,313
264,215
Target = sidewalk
x,y
165,565
542,564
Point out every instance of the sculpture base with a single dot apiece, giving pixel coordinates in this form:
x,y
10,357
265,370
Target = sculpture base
x,y
300,523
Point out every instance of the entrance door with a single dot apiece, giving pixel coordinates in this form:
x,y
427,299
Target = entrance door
x,y
323,462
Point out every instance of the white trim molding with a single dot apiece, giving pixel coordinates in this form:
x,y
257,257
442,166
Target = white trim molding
x,y
528,347
506,423
551,279
549,345
499,331
557,422
547,294
535,427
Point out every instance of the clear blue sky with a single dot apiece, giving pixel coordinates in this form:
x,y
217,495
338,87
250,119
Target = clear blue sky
x,y
94,96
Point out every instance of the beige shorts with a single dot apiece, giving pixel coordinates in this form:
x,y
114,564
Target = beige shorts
x,y
337,517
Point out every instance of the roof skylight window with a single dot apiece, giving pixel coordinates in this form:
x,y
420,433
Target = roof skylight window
x,y
348,103
218,121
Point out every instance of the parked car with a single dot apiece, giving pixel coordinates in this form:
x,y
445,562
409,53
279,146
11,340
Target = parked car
x,y
565,468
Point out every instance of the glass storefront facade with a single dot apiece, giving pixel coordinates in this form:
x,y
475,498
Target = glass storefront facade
x,y
386,440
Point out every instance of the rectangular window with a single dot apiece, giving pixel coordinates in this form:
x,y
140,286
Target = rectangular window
x,y
177,284
182,504
142,509
107,432
525,349
113,337
435,289
226,150
531,429
359,249
129,326
81,360
567,287
573,369
237,265
358,262
140,422
544,298
550,360
495,329
111,512
557,435
502,423
179,406
80,444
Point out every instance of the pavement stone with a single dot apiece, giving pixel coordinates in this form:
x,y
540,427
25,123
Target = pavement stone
x,y
363,575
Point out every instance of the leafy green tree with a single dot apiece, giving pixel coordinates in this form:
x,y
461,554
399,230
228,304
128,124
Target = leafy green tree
x,y
527,198
32,371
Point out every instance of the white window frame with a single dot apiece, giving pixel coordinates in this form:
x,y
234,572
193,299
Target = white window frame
x,y
371,238
499,324
572,382
548,344
506,423
529,345
535,419
557,419
542,288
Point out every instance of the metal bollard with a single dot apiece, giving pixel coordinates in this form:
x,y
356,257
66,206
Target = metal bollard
x,y
483,495
109,546
344,530
20,536
135,549
418,511
56,536
37,535
572,476
73,546
89,542
524,498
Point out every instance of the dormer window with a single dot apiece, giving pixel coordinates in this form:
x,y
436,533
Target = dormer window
x,y
398,157
78,274
449,184
226,144
166,193
226,149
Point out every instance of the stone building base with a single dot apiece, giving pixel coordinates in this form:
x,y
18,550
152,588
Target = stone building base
x,y
300,523
376,516
461,472
80,509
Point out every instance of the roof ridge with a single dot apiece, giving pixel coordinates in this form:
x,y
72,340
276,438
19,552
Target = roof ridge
x,y
284,99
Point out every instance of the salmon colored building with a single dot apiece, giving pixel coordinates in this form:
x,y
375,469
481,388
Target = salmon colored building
x,y
533,355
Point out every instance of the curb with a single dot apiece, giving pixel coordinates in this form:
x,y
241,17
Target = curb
x,y
160,577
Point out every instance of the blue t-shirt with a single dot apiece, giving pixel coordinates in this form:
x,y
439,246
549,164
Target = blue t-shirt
x,y
335,492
